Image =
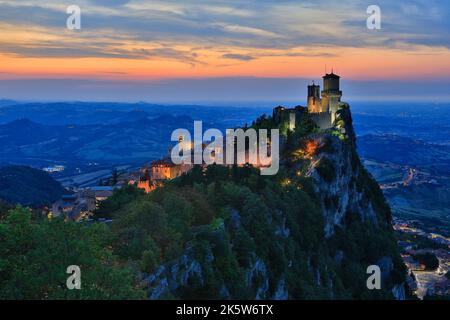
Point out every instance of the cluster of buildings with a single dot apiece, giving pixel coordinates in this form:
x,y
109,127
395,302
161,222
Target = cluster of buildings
x,y
154,174
81,204
83,201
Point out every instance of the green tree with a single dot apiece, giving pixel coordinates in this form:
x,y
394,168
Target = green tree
x,y
121,198
35,257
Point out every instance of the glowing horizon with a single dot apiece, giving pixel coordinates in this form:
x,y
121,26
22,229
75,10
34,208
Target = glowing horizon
x,y
161,40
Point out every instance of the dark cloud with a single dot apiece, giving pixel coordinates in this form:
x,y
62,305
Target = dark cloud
x,y
98,49
169,53
110,2
235,56
295,24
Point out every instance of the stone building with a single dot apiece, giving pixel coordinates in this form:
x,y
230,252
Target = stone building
x,y
321,105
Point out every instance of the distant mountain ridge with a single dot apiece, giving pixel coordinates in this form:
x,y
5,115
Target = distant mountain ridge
x,y
88,113
108,133
135,140
402,150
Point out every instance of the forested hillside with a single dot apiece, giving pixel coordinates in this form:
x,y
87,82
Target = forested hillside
x,y
310,232
28,186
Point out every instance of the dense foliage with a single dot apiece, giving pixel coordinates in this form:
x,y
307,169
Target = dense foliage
x,y
28,186
238,216
229,219
34,256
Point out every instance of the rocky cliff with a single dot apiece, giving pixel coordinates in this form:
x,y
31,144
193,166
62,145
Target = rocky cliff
x,y
310,232
341,182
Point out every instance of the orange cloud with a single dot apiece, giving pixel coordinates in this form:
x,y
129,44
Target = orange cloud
x,y
353,63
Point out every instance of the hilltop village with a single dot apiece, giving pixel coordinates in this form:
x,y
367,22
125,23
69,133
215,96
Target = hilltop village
x,y
322,107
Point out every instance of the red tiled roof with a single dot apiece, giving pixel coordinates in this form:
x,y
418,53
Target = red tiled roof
x,y
165,163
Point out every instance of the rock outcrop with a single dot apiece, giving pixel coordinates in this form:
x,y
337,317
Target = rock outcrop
x,y
310,232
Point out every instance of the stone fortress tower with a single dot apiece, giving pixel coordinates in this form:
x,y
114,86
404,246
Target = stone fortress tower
x,y
328,104
331,94
314,100
322,106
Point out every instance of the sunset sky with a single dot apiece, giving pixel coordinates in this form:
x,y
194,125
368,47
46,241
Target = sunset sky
x,y
192,51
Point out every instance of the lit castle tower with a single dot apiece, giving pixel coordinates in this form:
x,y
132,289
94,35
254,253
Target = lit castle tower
x,y
323,109
331,95
314,101
322,105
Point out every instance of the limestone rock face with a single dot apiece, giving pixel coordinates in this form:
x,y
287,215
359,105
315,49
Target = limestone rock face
x,y
303,247
341,194
170,277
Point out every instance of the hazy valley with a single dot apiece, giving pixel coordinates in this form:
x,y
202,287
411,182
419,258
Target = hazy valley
x,y
407,149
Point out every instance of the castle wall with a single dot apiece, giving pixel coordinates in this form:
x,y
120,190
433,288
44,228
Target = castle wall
x,y
314,101
165,172
146,186
323,120
315,105
325,102
333,102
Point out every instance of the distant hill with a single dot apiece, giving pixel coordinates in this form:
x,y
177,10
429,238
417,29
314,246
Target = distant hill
x,y
136,141
28,186
5,102
76,134
88,113
403,150
394,159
